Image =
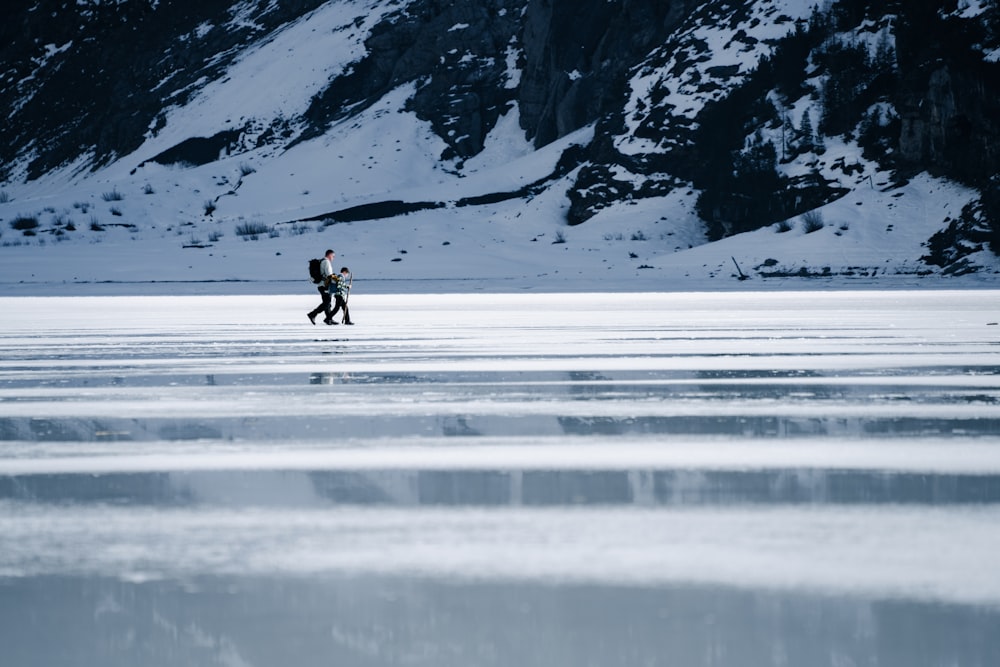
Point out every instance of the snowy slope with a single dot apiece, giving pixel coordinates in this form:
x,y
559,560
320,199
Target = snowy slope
x,y
249,219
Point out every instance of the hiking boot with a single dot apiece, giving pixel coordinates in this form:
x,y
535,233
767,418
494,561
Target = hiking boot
x,y
350,323
312,318
329,322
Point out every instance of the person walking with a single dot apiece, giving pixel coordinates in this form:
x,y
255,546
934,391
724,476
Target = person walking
x,y
326,271
341,288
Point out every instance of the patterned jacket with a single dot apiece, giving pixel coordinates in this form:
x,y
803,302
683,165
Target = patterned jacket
x,y
338,285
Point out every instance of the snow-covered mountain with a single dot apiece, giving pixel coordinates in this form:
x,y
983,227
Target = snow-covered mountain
x,y
515,143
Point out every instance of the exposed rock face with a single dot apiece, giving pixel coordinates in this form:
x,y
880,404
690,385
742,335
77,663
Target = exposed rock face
x,y
455,55
949,96
577,54
975,228
951,121
563,61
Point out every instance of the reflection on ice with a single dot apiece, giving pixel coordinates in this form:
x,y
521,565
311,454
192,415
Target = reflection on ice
x,y
371,620
318,427
533,488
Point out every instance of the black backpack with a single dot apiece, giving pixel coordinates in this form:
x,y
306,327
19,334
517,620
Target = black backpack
x,y
314,271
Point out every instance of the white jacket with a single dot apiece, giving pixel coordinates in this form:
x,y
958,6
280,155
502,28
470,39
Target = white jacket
x,y
326,270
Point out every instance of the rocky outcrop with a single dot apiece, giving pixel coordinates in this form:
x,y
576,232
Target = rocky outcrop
x,y
949,95
564,62
454,53
973,231
577,55
951,121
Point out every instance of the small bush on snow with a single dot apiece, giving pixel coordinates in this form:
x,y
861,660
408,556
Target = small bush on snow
x,y
812,221
24,223
252,230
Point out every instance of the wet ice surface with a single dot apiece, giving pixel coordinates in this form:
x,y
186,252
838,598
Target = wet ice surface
x,y
695,479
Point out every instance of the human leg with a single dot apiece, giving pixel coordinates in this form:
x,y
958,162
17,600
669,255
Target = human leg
x,y
324,305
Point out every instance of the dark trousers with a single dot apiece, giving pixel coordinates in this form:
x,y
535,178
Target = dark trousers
x,y
341,303
324,307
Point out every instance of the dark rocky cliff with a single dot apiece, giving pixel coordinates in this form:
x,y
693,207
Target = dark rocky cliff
x,y
577,56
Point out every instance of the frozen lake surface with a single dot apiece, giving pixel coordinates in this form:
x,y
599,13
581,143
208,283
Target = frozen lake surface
x,y
781,478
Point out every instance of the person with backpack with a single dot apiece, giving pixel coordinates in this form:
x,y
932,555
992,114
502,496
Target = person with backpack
x,y
325,278
341,288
